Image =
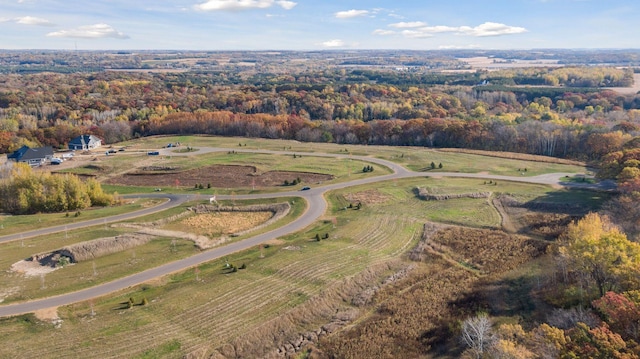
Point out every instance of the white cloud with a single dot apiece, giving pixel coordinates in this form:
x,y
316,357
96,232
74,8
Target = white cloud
x,y
417,29
439,29
457,47
287,5
235,5
96,31
408,25
383,32
348,14
333,43
494,29
29,20
416,34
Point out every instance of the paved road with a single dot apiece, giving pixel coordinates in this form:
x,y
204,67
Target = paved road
x,y
172,201
316,207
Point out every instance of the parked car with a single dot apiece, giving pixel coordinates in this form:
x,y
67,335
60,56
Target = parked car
x,y
56,161
153,153
112,151
305,188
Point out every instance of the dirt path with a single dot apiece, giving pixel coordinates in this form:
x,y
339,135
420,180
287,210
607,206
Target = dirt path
x,y
507,225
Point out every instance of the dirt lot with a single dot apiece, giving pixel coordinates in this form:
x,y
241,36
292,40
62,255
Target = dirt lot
x,y
371,196
223,222
219,176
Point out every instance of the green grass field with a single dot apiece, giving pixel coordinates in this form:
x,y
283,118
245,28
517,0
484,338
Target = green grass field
x,y
293,284
286,278
89,273
415,158
16,224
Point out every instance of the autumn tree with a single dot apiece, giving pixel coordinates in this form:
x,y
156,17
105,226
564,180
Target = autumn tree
x,y
25,192
600,254
621,312
477,334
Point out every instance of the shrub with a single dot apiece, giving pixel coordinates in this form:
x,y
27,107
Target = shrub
x,y
28,192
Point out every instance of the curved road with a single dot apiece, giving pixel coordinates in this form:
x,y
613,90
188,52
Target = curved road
x,y
316,207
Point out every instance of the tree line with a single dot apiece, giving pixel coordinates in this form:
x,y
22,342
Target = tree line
x,y
597,303
322,105
24,191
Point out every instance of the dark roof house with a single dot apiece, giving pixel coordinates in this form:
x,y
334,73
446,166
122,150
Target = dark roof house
x,y
32,156
85,142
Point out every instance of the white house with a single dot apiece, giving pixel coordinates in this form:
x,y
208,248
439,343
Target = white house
x,y
85,142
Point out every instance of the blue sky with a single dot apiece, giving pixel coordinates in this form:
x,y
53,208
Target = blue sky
x,y
318,24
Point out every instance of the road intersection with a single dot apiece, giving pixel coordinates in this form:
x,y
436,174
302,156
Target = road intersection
x,y
316,207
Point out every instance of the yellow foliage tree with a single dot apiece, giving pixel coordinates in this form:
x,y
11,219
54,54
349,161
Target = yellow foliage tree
x,y
26,192
602,254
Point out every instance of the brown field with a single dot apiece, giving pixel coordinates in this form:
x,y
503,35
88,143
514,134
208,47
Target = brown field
x,y
219,176
224,222
371,196
493,64
515,156
547,224
417,315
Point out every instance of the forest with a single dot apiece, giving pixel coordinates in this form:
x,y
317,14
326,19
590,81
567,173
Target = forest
x,y
571,116
559,111
331,106
567,111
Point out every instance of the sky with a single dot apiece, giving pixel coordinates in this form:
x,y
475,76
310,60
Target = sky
x,y
318,24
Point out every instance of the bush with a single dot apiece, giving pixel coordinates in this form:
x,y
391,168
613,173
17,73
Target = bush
x,y
317,237
28,192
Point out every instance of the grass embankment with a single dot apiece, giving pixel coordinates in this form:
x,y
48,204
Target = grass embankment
x,y
296,278
415,158
100,270
16,224
340,170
